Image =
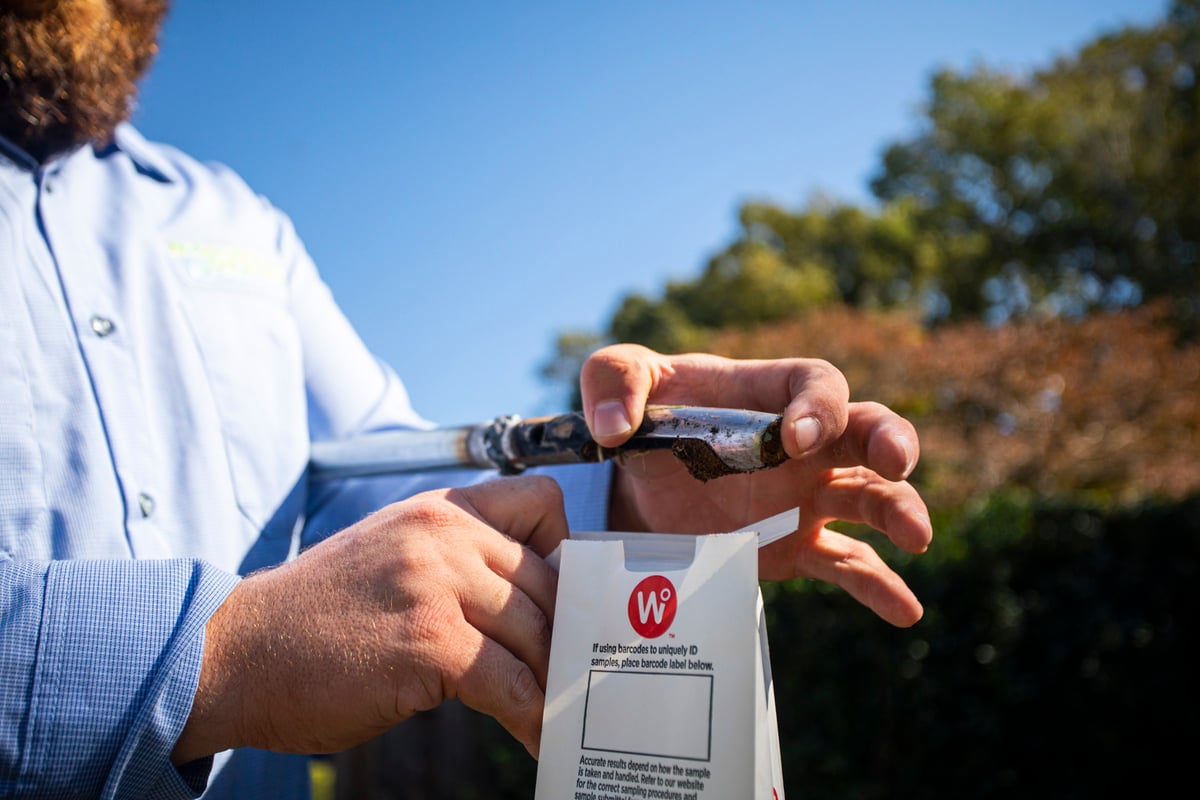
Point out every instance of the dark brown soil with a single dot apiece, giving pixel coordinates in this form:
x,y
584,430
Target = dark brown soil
x,y
705,465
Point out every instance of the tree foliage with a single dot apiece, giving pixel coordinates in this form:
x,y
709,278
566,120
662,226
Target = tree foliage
x,y
1101,409
1079,178
1062,192
1054,660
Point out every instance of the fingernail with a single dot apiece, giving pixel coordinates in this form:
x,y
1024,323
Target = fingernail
x,y
609,419
807,431
922,519
910,456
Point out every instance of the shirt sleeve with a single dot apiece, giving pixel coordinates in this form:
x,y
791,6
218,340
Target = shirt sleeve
x,y
99,662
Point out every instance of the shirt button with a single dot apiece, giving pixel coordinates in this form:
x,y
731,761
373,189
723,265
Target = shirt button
x,y
146,504
102,326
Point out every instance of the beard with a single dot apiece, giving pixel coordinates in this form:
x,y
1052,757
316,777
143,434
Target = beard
x,y
69,69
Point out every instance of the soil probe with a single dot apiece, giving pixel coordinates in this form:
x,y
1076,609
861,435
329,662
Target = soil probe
x,y
711,442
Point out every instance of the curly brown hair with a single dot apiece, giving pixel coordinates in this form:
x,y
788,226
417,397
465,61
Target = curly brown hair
x,y
69,68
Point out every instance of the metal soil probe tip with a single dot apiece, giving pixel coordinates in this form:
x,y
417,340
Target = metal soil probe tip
x,y
710,442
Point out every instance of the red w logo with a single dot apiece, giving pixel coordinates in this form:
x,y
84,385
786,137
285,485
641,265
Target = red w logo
x,y
652,606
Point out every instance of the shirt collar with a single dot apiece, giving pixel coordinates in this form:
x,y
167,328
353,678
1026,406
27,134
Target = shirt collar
x,y
16,156
126,140
148,160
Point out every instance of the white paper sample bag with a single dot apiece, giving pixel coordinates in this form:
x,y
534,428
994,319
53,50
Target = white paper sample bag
x,y
659,683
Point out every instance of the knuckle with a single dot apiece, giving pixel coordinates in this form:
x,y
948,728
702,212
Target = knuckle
x,y
874,407
432,620
820,382
541,633
619,353
432,510
616,359
545,490
826,372
523,689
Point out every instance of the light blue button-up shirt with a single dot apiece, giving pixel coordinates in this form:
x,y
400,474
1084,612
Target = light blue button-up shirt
x,y
167,353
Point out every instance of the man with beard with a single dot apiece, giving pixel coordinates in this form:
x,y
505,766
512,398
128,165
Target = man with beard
x,y
168,353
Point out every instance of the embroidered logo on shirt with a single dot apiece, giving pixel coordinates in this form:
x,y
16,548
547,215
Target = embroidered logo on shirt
x,y
208,262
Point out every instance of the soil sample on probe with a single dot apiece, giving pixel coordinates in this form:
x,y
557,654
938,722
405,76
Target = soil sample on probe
x,y
704,463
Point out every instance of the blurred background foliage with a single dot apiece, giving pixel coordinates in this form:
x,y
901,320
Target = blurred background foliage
x,y
1058,193
1026,291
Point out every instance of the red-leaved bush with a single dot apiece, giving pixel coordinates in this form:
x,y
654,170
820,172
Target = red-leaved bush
x,y
1105,408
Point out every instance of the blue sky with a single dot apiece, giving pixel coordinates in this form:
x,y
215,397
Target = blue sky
x,y
474,177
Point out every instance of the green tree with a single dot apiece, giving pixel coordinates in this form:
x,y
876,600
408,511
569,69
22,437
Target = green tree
x,y
1057,193
866,258
1078,180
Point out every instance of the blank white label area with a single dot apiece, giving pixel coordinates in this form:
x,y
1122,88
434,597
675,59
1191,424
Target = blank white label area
x,y
649,713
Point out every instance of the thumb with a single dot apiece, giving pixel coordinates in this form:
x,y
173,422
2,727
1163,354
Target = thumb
x,y
527,508
615,382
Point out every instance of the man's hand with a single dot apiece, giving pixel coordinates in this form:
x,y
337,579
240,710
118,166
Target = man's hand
x,y
423,601
848,461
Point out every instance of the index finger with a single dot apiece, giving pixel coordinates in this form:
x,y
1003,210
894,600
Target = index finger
x,y
529,510
875,437
855,567
617,382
